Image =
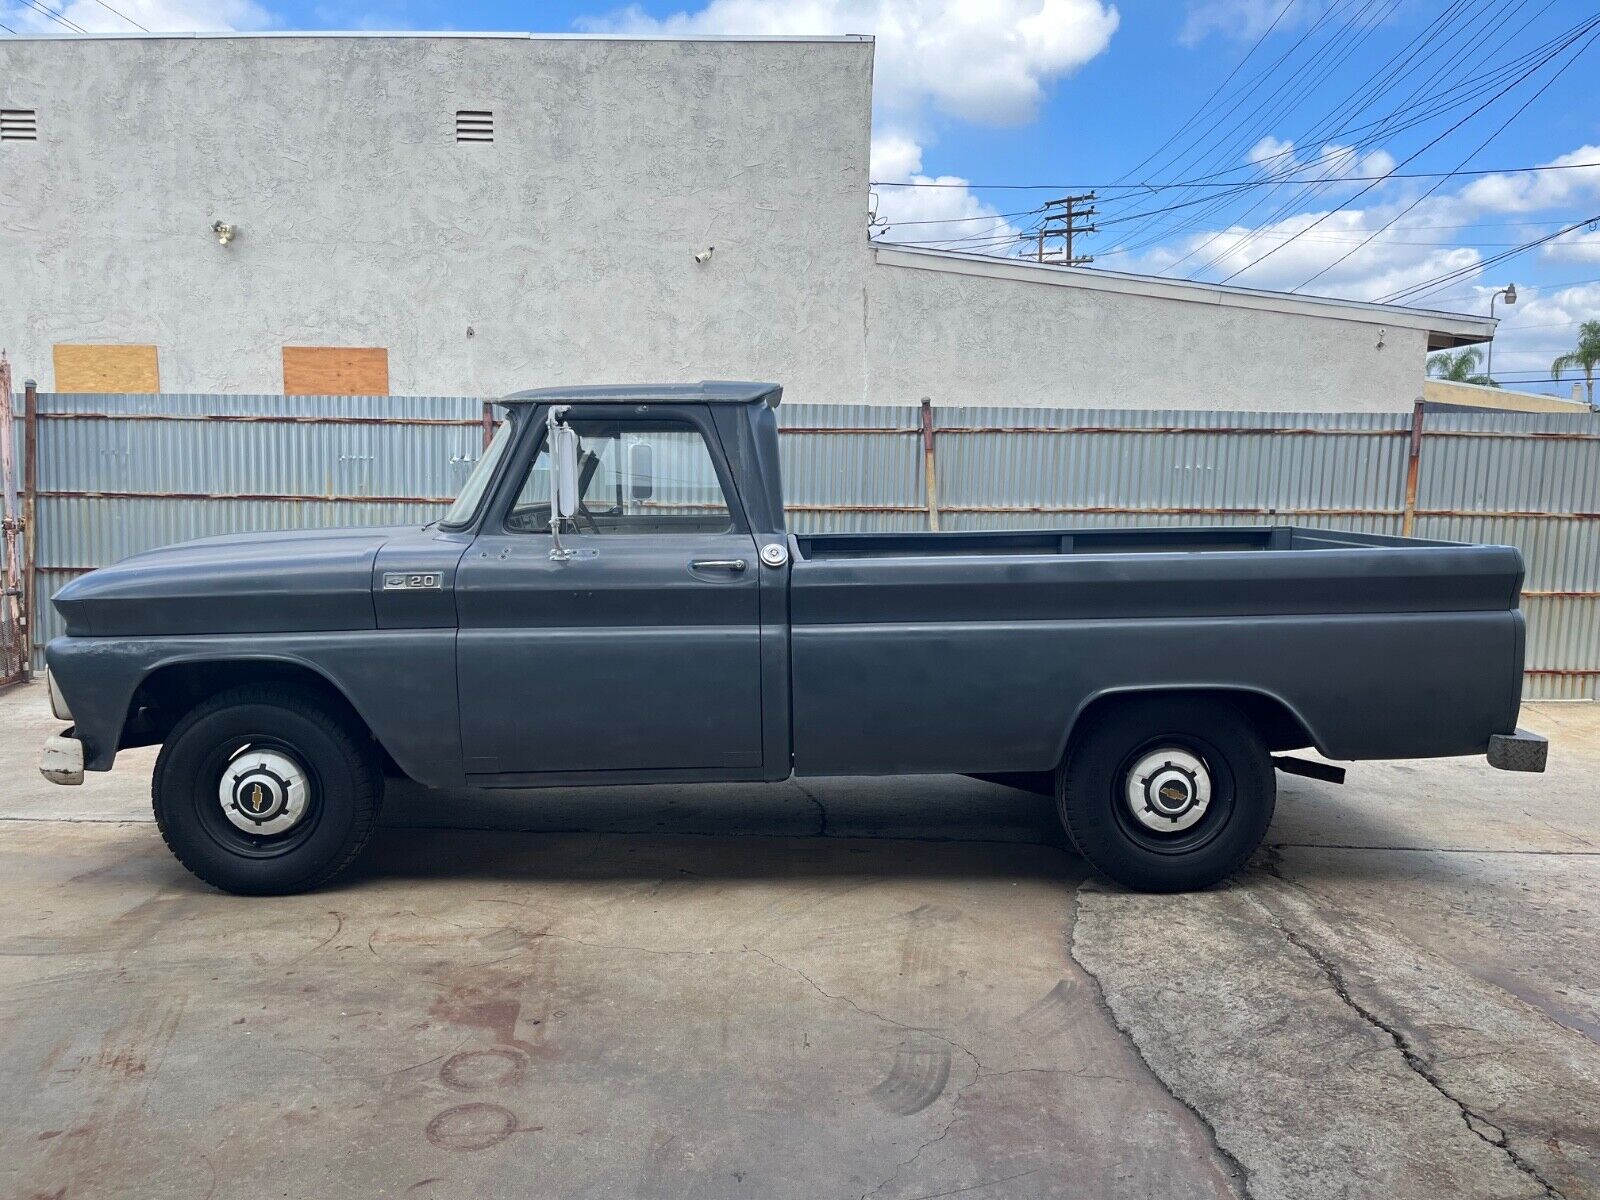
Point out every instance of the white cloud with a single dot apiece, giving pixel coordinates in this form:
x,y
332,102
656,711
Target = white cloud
x,y
895,156
1398,256
1301,247
988,63
1277,158
1536,191
983,62
158,16
927,215
1239,19
369,17
1580,246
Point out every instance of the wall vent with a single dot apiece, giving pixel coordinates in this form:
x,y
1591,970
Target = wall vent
x,y
474,125
19,125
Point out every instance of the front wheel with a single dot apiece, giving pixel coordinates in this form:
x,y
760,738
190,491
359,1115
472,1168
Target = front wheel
x,y
266,791
1166,794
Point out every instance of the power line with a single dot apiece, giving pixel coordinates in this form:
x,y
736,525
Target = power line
x,y
1522,108
1449,296
1595,22
1159,187
1357,242
1360,179
58,18
1293,91
1386,124
1509,378
1509,329
1318,131
1430,285
1215,91
1327,131
123,15
987,238
1441,100
1252,90
1027,212
1410,112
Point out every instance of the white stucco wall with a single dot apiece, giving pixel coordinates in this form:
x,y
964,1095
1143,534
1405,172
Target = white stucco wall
x,y
567,245
962,332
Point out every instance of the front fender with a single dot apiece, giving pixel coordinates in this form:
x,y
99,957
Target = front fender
x,y
401,682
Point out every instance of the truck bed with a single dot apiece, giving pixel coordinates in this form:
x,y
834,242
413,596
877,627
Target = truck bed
x,y
966,651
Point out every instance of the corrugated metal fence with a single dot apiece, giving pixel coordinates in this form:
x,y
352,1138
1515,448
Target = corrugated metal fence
x,y
118,474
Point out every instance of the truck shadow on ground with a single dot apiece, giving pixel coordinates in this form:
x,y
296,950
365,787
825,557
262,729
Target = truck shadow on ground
x,y
926,826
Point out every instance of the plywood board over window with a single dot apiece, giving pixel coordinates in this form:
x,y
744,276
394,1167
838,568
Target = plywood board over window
x,y
335,371
106,368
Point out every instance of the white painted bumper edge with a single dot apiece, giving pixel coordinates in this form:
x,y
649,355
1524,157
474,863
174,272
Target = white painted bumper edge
x,y
58,702
61,760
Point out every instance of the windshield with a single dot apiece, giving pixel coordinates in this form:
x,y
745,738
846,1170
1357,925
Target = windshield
x,y
478,482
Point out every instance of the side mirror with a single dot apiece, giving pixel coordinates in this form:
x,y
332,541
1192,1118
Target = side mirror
x,y
562,442
564,468
641,471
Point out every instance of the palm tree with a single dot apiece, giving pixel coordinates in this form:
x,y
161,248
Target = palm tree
x,y
1585,358
1459,367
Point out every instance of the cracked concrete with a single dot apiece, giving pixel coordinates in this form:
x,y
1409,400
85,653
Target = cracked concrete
x,y
892,989
1401,999
1239,1173
1474,1121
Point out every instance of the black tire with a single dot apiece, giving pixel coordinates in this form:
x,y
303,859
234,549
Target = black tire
x,y
342,789
1092,792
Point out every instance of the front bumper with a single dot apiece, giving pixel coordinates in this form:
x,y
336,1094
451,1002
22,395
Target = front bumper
x,y
61,760
1519,751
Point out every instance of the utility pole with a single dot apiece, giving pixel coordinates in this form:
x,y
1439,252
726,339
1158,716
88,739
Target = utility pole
x,y
1065,219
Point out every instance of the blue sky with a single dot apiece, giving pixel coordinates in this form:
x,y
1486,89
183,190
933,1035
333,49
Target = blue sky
x,y
1083,93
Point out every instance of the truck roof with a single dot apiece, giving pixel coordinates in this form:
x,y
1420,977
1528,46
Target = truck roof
x,y
707,391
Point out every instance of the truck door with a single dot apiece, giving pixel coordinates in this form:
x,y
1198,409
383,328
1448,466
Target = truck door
x,y
639,653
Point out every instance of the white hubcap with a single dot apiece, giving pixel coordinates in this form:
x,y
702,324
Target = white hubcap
x,y
263,792
1168,790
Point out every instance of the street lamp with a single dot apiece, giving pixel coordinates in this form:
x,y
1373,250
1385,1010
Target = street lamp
x,y
1510,293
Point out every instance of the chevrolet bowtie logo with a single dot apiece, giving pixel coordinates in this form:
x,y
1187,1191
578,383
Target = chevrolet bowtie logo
x,y
258,798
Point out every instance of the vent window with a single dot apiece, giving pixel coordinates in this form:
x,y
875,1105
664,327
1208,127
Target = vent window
x,y
474,125
18,125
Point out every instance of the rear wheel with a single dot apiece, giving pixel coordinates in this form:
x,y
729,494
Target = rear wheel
x,y
266,791
1166,794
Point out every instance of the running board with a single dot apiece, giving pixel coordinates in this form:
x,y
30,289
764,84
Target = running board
x,y
1311,770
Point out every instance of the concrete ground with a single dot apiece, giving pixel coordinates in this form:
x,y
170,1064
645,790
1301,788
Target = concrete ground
x,y
846,988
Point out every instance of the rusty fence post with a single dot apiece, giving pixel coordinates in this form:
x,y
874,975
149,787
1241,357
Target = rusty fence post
x,y
13,624
488,423
930,466
1408,519
30,512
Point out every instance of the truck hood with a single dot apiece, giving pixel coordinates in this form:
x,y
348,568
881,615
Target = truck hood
x,y
301,580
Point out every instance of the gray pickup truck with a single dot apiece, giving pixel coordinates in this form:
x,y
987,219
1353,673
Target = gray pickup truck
x,y
614,598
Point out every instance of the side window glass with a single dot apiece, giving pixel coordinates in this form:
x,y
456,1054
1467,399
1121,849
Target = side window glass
x,y
633,477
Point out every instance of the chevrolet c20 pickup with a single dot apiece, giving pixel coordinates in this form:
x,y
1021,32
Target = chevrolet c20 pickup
x,y
614,599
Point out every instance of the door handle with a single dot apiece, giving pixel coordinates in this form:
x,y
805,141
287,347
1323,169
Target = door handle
x,y
718,564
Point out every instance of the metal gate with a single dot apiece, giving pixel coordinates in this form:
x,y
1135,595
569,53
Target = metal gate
x,y
14,650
